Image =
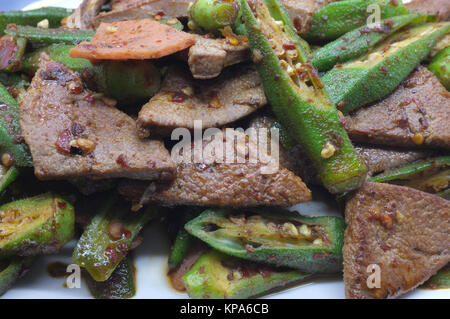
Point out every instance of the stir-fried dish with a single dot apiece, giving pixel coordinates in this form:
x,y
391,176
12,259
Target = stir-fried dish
x,y
213,118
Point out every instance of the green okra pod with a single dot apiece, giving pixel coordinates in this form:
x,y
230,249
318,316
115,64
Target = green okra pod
x,y
120,285
440,66
213,15
279,238
11,270
32,17
126,81
179,248
108,238
296,95
10,133
11,53
34,226
431,175
338,18
376,74
219,276
40,36
7,176
358,42
45,37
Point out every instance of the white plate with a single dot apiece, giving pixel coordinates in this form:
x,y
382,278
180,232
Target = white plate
x,y
151,257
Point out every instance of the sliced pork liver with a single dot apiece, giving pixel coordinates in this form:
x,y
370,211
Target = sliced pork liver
x,y
73,132
207,57
404,231
377,158
223,184
420,105
182,100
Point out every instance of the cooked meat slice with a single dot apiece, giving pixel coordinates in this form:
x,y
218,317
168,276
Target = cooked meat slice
x,y
83,17
208,57
212,183
183,100
418,110
73,132
301,12
144,9
441,8
403,231
376,158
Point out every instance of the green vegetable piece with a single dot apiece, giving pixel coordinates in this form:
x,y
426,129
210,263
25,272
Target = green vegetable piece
x,y
183,240
120,285
179,248
280,238
338,18
440,66
218,276
36,225
126,81
431,175
42,36
32,17
295,92
212,15
441,280
108,238
286,139
11,53
7,176
358,42
376,74
10,133
11,270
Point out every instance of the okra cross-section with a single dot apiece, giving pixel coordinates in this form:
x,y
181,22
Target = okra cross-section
x,y
108,238
219,276
34,226
295,91
279,238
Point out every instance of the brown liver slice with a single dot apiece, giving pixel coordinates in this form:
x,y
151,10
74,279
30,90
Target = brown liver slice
x,y
404,231
420,105
56,110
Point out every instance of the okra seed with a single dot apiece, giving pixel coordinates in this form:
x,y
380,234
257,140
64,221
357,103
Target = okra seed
x,y
191,25
328,150
305,230
418,139
7,160
115,230
172,22
289,229
188,91
111,29
317,241
44,24
237,275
